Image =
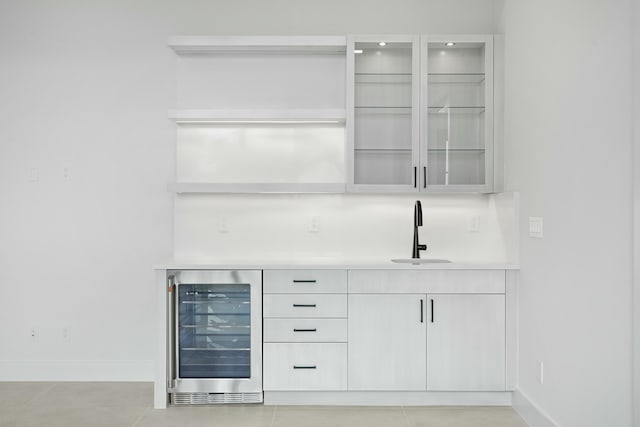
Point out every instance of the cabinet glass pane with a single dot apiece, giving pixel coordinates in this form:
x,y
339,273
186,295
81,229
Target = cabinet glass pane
x,y
456,114
214,331
383,108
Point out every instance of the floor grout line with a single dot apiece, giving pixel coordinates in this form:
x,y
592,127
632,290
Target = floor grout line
x,y
405,416
273,418
141,416
41,393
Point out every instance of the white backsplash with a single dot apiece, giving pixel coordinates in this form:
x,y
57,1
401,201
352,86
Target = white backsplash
x,y
343,228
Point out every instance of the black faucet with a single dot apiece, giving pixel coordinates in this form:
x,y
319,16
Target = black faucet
x,y
417,222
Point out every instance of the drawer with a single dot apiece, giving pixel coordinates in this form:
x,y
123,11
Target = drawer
x,y
305,367
305,281
305,330
304,305
427,281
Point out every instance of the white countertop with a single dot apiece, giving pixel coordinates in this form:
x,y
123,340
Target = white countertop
x,y
326,264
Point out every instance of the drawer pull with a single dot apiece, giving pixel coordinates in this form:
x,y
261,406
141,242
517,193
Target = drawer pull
x,y
304,330
304,366
304,305
304,281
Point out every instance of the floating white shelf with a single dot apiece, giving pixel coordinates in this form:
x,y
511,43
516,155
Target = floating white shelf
x,y
252,188
258,44
259,116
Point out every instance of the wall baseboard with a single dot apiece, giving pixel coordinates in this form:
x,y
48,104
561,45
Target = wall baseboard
x,y
76,370
530,412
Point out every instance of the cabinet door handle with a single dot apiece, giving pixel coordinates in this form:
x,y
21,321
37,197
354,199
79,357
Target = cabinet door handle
x,y
304,330
431,310
415,177
421,311
304,281
304,305
304,366
424,176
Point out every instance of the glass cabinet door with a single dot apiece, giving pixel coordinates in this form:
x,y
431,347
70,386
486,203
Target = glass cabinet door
x,y
458,115
383,103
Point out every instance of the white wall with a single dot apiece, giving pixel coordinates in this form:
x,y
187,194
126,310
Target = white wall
x,y
568,151
85,86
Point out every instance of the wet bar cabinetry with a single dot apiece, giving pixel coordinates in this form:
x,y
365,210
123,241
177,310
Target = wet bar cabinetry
x,y
305,330
262,114
420,113
258,114
359,336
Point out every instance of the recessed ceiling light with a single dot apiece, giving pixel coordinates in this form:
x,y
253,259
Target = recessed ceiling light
x,y
382,44
449,44
357,51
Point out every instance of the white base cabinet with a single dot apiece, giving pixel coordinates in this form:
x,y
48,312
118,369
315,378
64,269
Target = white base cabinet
x,y
466,342
305,330
387,342
386,331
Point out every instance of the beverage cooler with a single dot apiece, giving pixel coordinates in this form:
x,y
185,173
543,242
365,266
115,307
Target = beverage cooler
x,y
215,336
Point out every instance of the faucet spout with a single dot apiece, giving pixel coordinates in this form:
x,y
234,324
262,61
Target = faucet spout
x,y
417,222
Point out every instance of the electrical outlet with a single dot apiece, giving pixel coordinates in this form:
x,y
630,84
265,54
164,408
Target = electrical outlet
x,y
314,224
33,332
535,227
65,333
66,174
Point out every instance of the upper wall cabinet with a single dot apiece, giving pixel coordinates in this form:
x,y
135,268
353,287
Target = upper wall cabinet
x,y
259,114
420,113
383,112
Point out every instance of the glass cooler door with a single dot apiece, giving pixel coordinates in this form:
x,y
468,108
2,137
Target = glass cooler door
x,y
214,331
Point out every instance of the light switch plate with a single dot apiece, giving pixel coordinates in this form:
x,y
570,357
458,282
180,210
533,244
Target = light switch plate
x,y
535,227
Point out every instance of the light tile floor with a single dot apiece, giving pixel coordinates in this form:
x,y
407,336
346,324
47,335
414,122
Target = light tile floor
x,y
131,405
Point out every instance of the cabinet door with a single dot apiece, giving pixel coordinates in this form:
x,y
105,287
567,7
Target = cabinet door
x,y
465,342
457,113
383,112
387,337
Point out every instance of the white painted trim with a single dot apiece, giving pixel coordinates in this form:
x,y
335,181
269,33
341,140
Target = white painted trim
x,y
257,44
204,187
230,116
77,370
160,395
498,112
635,169
530,412
386,398
511,328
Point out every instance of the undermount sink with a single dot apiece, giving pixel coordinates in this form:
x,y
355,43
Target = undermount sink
x,y
419,260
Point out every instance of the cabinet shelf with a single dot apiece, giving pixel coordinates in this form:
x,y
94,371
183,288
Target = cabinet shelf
x,y
258,44
383,74
470,150
294,116
384,150
253,188
452,78
456,110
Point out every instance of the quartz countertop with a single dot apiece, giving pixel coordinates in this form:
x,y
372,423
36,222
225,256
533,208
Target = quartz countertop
x,y
326,264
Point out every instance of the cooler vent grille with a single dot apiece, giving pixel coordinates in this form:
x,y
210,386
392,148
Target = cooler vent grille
x,y
214,398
